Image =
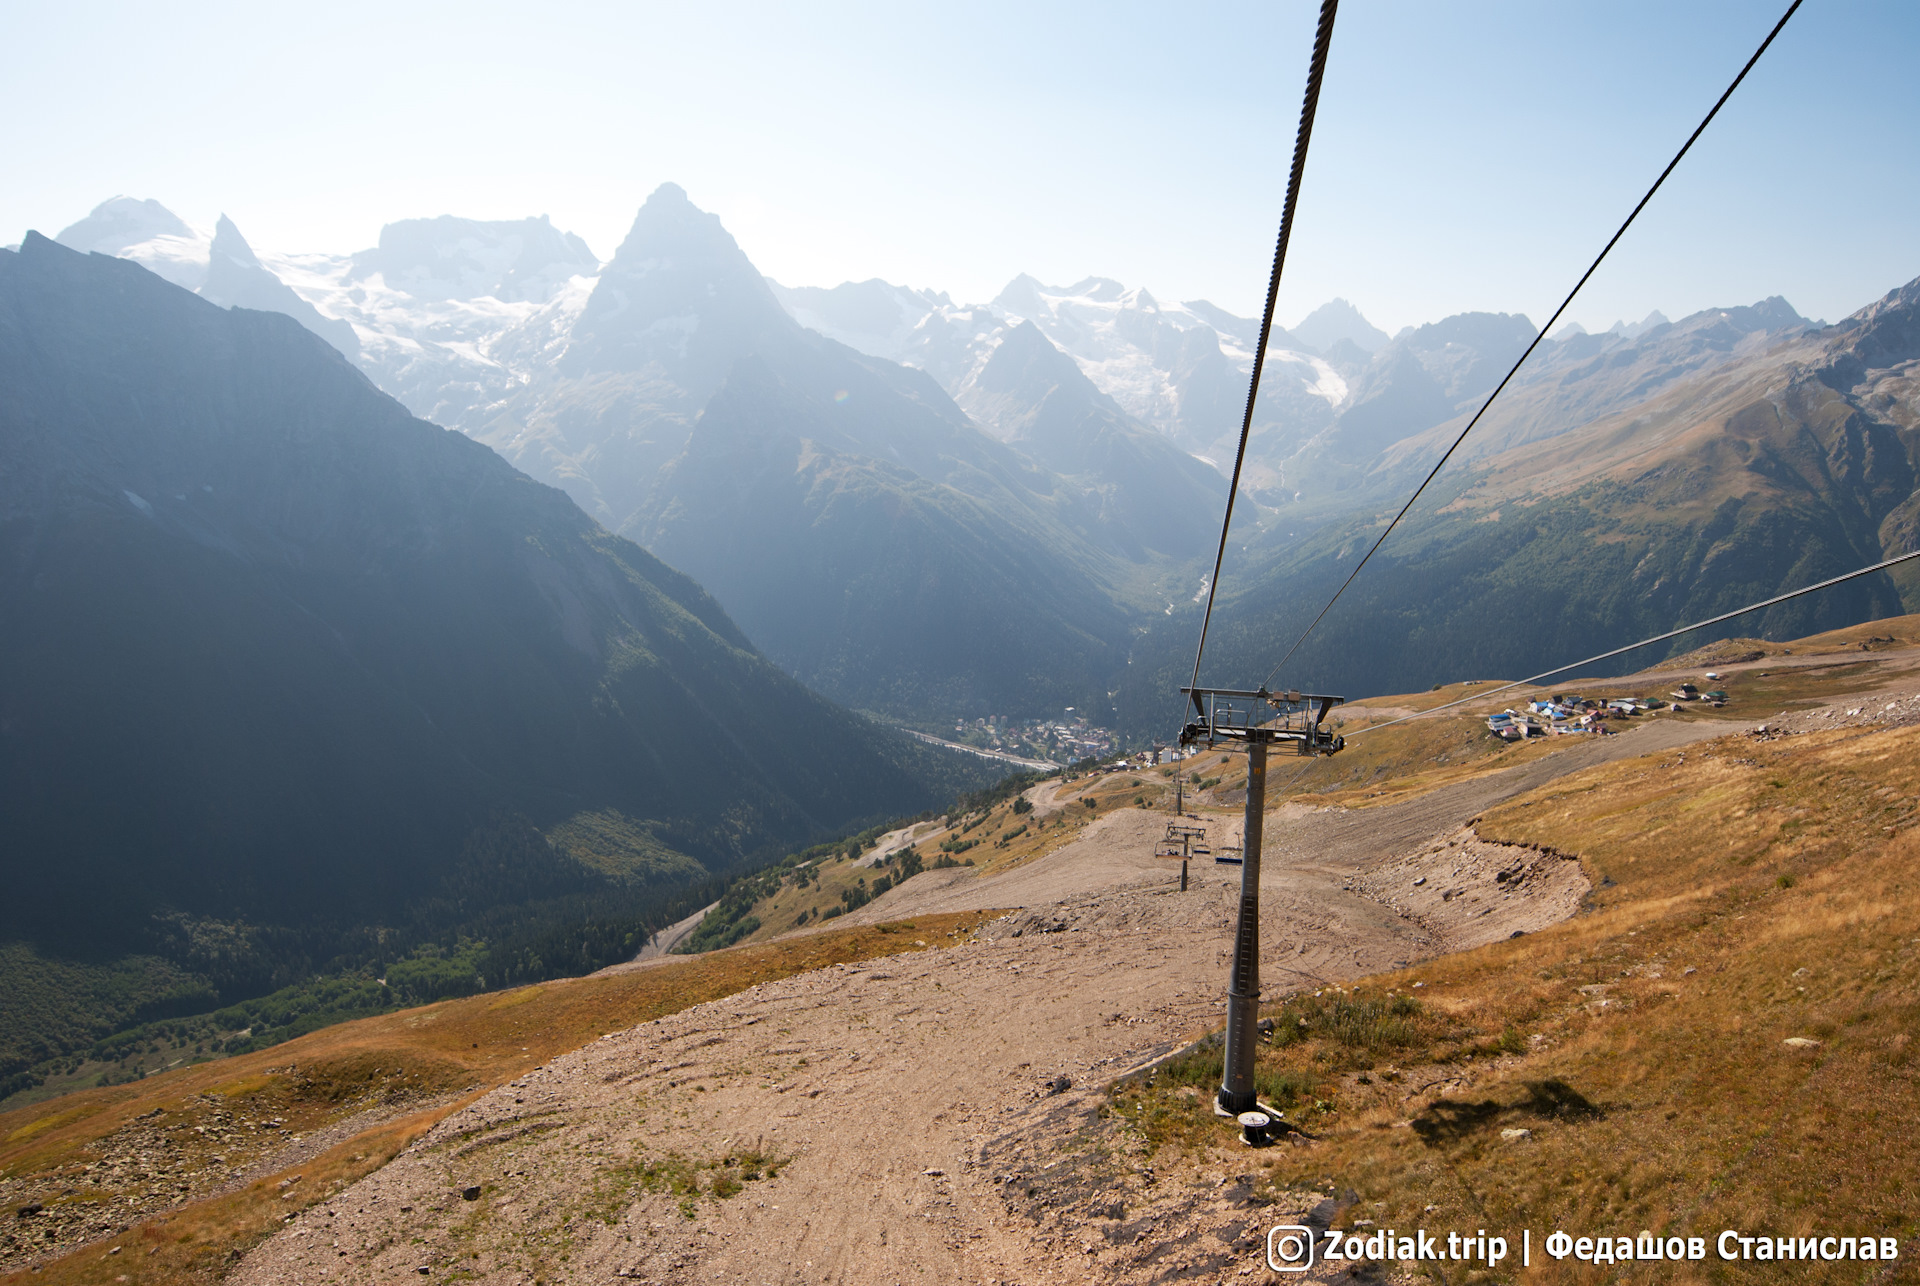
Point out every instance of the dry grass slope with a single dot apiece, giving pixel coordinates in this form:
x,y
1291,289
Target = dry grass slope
x,y
1748,892
193,1167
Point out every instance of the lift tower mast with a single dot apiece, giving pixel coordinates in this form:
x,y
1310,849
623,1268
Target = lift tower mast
x,y
1259,719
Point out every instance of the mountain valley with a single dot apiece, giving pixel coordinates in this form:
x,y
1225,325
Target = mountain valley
x,y
1783,455
933,511
944,517
294,683
660,645
1702,911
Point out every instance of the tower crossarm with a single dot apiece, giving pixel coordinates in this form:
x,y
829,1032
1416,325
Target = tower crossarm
x,y
1234,714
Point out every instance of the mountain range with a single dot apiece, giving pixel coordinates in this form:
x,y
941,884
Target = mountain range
x,y
285,669
1180,368
293,679
1710,463
926,509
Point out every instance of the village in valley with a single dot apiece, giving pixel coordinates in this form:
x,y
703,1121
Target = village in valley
x,y
1064,740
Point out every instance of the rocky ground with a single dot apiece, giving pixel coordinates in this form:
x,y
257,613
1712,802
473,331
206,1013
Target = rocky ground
x,y
209,1145
936,1117
1882,709
1467,892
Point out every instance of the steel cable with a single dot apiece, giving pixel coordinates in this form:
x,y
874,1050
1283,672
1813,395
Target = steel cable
x,y
1658,638
1316,68
1434,472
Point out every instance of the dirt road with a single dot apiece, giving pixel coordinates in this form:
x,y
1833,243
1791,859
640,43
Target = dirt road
x,y
887,1097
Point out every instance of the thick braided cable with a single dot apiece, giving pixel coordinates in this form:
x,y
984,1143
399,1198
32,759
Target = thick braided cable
x,y
1316,68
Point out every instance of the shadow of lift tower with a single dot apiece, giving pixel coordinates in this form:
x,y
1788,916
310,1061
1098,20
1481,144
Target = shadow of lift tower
x,y
1258,719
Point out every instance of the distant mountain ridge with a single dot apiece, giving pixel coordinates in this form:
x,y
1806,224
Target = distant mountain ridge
x,y
1629,486
274,651
448,315
1338,321
1180,369
598,383
448,258
1097,503
1036,398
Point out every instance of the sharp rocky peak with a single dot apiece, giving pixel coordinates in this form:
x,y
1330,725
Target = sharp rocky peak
x,y
1883,335
672,234
1025,360
229,245
679,296
237,279
1336,320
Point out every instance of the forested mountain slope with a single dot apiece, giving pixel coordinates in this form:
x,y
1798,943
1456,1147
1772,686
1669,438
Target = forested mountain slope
x,y
278,658
1772,466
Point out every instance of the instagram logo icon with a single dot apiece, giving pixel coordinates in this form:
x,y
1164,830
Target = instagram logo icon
x,y
1289,1248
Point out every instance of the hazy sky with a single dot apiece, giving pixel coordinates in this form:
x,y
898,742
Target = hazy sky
x,y
1468,156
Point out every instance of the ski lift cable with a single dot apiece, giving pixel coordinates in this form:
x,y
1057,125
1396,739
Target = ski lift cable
x,y
1544,330
1316,68
1658,638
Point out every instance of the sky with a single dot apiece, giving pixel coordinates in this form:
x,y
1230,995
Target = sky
x,y
1467,156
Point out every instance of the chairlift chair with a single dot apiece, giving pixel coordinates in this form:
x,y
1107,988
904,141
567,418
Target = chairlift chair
x,y
1183,842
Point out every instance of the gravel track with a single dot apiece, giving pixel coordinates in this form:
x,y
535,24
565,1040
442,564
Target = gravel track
x,y
896,1088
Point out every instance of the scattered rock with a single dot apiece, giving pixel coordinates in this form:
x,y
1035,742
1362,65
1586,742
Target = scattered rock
x,y
1801,1042
471,1192
1515,1135
1059,1085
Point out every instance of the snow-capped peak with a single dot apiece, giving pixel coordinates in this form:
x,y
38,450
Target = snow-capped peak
x,y
146,232
1180,368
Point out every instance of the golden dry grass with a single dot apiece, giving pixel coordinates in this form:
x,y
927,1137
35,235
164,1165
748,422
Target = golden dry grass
x,y
1874,636
1746,892
1408,759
